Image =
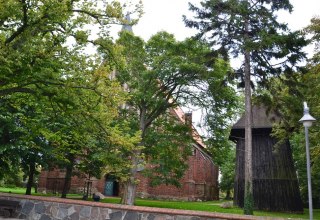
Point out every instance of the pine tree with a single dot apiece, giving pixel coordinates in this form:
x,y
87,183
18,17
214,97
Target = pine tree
x,y
249,30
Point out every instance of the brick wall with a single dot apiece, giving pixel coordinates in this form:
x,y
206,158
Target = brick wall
x,y
200,182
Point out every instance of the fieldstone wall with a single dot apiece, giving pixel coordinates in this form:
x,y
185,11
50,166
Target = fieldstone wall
x,y
48,208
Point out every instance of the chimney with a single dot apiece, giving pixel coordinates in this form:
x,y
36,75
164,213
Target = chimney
x,y
188,119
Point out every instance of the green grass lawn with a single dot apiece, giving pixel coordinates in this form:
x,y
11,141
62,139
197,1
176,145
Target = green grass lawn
x,y
20,190
210,206
17,190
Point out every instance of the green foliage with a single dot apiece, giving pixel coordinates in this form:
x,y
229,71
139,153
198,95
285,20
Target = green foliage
x,y
223,23
57,103
13,179
222,105
286,99
169,144
310,89
314,30
227,169
159,75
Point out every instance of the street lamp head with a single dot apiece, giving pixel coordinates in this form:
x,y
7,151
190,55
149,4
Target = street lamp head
x,y
307,119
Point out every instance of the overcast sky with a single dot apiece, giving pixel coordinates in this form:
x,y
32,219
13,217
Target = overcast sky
x,y
167,15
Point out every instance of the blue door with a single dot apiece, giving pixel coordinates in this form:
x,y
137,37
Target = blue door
x,y
109,188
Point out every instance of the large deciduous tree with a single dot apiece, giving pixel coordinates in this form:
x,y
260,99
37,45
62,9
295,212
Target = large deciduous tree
x,y
35,51
43,59
159,75
82,131
248,29
313,90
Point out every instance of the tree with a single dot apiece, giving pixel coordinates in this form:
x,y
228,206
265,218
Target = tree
x,y
286,99
167,147
250,29
221,105
228,173
312,88
10,134
160,75
83,128
32,149
313,29
34,52
42,60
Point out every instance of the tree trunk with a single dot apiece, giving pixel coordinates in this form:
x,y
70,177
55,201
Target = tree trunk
x,y
67,181
228,194
248,193
32,169
130,185
129,193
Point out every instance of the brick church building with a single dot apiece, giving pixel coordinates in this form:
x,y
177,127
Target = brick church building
x,y
200,181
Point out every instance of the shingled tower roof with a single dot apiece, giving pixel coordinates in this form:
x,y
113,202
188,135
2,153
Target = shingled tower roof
x,y
261,119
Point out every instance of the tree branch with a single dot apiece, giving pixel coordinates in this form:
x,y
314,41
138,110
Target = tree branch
x,y
24,23
9,91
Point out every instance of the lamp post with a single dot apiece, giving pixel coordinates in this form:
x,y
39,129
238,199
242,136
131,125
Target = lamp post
x,y
307,120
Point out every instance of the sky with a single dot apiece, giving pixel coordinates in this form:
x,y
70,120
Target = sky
x,y
167,15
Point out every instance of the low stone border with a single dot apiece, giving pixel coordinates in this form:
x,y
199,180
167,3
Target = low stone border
x,y
49,208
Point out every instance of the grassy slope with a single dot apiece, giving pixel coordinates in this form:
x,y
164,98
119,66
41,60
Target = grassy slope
x,y
210,206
